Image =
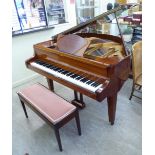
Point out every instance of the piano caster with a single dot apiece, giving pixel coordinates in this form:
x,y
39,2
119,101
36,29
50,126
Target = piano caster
x,y
112,123
78,102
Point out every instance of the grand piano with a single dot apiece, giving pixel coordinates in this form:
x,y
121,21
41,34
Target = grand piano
x,y
89,62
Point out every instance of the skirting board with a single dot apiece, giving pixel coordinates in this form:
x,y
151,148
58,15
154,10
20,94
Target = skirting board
x,y
20,82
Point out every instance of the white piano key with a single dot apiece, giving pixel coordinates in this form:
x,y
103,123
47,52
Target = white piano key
x,y
67,78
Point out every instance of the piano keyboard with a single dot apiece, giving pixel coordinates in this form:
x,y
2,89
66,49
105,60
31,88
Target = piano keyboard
x,y
69,76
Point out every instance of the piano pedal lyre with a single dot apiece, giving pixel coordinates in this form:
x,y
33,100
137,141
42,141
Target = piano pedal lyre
x,y
78,102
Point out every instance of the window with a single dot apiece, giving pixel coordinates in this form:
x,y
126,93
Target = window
x,y
31,15
86,9
55,11
15,22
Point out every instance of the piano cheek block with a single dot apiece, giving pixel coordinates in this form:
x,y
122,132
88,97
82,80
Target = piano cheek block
x,y
100,90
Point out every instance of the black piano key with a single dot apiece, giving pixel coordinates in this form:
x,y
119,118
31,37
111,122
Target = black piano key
x,y
79,78
97,84
49,66
94,84
52,67
55,69
44,64
84,80
66,72
74,76
63,71
90,82
60,70
69,74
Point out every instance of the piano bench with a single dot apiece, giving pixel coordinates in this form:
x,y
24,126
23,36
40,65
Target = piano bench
x,y
50,107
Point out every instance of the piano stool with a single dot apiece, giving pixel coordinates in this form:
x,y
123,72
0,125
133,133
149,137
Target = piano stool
x,y
50,107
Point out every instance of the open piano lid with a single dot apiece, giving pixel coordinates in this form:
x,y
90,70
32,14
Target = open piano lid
x,y
94,42
82,40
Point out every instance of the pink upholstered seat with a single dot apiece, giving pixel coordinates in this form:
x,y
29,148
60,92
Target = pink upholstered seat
x,y
53,107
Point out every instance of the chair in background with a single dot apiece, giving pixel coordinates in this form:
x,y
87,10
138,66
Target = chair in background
x,y
136,68
109,6
116,5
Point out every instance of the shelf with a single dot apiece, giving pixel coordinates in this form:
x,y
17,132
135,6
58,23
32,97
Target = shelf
x,y
87,7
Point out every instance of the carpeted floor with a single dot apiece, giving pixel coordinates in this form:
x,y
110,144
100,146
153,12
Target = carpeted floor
x,y
35,137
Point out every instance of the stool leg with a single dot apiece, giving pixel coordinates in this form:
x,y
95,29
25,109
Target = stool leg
x,y
24,108
140,87
78,122
58,138
133,87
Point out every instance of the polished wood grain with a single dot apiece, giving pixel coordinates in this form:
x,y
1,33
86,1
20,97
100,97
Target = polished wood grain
x,y
110,71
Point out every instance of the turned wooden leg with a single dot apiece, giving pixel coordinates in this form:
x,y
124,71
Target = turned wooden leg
x,y
50,84
112,100
133,87
24,108
81,98
57,134
78,122
75,95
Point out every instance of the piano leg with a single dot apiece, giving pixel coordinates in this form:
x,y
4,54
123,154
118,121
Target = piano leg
x,y
112,100
78,102
50,84
75,95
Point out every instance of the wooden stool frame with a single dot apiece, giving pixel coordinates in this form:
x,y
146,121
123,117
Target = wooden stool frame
x,y
74,114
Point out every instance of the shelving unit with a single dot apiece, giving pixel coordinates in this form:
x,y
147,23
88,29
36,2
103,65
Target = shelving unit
x,y
55,12
86,9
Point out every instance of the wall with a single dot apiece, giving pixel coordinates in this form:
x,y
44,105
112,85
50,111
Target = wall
x,y
22,47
